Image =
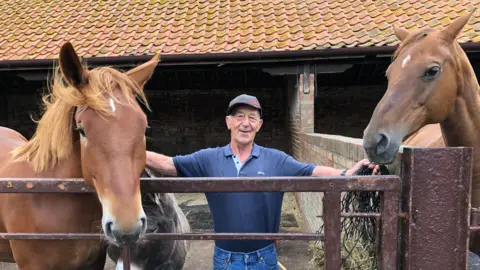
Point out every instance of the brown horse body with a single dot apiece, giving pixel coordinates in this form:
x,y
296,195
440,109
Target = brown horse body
x,y
92,128
47,213
432,93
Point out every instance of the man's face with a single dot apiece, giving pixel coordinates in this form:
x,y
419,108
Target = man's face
x,y
243,124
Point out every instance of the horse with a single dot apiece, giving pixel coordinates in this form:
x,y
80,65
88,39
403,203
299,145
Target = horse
x,y
432,97
164,216
92,127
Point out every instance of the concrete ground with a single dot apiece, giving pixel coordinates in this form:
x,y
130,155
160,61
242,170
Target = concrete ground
x,y
294,255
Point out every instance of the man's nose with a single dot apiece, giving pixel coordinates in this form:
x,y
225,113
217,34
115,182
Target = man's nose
x,y
245,122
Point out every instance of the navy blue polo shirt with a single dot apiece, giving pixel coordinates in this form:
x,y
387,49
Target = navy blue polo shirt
x,y
242,212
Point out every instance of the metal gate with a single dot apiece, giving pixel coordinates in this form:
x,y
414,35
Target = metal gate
x,y
436,185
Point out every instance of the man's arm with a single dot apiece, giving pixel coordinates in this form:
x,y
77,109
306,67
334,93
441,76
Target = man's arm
x,y
292,167
160,163
329,171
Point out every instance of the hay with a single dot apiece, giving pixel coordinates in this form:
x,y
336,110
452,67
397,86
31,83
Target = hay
x,y
356,255
358,235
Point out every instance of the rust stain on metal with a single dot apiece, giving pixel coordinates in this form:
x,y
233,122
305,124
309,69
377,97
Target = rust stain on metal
x,y
61,186
389,208
437,223
126,258
331,210
218,184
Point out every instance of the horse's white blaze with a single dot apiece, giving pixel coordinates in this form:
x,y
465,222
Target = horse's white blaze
x,y
405,61
132,265
112,105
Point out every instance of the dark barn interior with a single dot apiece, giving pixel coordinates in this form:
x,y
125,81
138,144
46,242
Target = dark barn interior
x,y
189,102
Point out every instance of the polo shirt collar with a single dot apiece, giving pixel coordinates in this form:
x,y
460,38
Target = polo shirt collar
x,y
227,150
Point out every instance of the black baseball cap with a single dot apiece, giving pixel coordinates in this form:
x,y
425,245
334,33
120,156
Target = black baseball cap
x,y
247,100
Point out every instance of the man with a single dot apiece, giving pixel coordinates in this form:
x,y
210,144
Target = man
x,y
241,212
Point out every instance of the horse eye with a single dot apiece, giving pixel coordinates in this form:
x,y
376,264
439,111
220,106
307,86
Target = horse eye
x,y
431,73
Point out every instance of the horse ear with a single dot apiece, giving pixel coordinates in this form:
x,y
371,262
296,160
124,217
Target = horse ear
x,y
400,33
451,32
71,66
143,73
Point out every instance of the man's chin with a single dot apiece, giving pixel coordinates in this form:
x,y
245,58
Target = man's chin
x,y
244,141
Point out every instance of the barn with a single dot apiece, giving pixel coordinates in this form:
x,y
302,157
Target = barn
x,y
317,66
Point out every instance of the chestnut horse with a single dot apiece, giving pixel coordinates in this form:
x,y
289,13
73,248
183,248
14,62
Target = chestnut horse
x,y
93,128
431,85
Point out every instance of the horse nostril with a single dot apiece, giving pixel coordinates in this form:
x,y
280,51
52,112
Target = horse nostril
x,y
383,142
108,228
144,222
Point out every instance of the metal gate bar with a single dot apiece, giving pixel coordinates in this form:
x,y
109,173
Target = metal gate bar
x,y
168,236
388,185
214,184
331,210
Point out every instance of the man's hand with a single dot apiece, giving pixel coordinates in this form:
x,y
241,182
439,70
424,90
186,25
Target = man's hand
x,y
360,164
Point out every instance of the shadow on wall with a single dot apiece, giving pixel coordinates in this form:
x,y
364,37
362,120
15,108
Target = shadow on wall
x,y
354,105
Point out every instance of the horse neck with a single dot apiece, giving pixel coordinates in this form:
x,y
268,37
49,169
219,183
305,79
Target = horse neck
x,y
70,167
462,126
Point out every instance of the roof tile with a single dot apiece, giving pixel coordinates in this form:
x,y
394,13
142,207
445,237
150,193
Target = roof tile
x,y
113,28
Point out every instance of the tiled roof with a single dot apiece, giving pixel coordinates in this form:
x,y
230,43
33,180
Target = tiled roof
x,y
35,29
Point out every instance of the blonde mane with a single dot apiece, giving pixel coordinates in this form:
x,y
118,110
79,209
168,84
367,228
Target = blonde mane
x,y
53,139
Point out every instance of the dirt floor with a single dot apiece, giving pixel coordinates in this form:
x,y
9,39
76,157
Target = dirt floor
x,y
294,255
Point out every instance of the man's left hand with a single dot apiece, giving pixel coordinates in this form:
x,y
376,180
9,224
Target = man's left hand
x,y
360,164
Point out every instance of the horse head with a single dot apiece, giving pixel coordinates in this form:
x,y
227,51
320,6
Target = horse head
x,y
423,80
110,125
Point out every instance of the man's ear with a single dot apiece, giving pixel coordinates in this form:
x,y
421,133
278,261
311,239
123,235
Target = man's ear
x,y
260,123
228,121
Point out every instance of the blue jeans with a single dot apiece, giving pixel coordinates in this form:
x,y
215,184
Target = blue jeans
x,y
262,259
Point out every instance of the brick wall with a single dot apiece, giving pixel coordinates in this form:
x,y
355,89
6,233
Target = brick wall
x,y
328,150
300,108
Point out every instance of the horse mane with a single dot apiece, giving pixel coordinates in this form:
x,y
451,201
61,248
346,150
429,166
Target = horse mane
x,y
53,138
416,36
